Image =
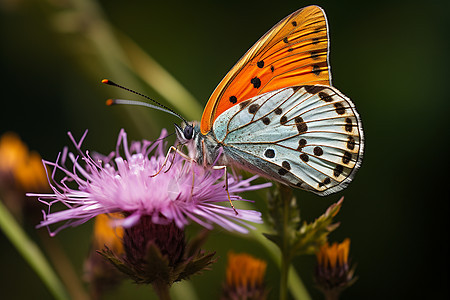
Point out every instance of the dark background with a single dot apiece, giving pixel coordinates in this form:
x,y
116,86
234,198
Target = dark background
x,y
390,57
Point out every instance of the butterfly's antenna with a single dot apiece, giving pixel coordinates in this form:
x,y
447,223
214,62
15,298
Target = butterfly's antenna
x,y
164,137
159,106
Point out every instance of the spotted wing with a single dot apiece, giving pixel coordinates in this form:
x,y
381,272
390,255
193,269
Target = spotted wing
x,y
309,137
294,52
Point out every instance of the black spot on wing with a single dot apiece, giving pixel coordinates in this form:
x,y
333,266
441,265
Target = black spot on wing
x,y
282,172
316,70
351,143
270,153
244,104
256,82
252,109
296,88
348,125
340,110
338,170
304,157
301,144
325,181
315,55
286,165
347,157
313,89
318,151
325,97
301,125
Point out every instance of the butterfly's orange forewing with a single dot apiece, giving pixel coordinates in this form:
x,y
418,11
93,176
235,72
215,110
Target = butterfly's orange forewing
x,y
293,52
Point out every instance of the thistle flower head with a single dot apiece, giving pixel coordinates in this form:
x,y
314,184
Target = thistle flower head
x,y
245,277
333,271
134,184
160,254
21,170
20,166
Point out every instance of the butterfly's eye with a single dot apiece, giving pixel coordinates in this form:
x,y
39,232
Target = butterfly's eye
x,y
188,132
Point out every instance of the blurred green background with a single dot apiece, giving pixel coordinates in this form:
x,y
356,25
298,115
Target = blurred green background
x,y
390,57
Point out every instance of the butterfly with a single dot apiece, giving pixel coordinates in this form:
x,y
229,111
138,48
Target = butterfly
x,y
276,113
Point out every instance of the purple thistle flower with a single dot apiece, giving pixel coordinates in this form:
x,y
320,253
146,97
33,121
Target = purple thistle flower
x,y
181,192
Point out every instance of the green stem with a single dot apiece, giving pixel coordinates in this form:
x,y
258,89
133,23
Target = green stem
x,y
295,283
285,262
286,195
31,253
332,294
162,290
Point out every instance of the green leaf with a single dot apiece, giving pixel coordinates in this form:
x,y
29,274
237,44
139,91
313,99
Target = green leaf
x,y
195,243
156,268
116,261
196,265
311,236
292,236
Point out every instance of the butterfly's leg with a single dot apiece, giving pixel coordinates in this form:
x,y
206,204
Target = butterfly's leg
x,y
226,184
172,148
173,158
175,151
193,180
205,163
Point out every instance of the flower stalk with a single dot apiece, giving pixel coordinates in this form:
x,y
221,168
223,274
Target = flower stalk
x,y
286,195
161,289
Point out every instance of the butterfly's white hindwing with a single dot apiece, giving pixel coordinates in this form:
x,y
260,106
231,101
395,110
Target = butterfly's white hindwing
x,y
309,137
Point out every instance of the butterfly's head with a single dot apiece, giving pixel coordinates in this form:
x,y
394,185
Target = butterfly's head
x,y
188,135
186,132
